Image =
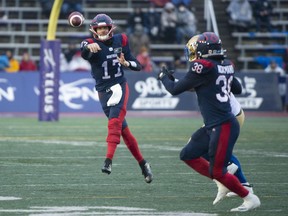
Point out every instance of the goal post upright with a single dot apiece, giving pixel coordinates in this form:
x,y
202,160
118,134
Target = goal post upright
x,y
50,69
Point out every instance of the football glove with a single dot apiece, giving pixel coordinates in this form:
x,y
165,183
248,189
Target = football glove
x,y
165,72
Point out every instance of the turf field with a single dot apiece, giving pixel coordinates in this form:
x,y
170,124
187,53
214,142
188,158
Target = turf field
x,y
53,169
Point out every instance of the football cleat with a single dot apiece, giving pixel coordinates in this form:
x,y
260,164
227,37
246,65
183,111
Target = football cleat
x,y
248,186
222,191
146,171
107,167
251,201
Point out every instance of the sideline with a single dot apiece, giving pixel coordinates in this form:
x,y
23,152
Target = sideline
x,y
180,114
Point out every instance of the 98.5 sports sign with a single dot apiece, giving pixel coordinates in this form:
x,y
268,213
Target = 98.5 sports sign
x,y
20,93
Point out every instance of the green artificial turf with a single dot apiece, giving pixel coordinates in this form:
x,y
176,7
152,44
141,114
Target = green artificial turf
x,y
54,168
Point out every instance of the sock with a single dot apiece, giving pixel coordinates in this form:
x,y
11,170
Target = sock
x,y
132,144
111,148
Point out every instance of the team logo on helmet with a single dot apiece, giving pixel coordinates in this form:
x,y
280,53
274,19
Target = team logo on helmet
x,y
205,45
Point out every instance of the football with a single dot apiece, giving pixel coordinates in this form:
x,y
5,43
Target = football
x,y
76,19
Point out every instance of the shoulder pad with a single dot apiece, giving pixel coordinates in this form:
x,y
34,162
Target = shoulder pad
x,y
201,66
124,39
86,42
90,40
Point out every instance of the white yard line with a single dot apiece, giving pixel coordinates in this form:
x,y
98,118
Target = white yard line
x,y
143,146
96,210
9,198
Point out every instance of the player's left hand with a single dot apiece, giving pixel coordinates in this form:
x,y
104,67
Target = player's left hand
x,y
165,72
122,60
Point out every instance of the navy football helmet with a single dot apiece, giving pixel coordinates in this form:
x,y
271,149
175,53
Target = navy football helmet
x,y
205,45
99,21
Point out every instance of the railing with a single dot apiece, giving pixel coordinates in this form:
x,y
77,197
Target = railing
x,y
209,15
260,35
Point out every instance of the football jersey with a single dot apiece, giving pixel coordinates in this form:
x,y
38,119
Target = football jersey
x,y
106,69
212,81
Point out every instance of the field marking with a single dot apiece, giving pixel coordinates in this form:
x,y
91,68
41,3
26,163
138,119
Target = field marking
x,y
83,143
133,184
143,146
102,210
263,153
57,142
9,198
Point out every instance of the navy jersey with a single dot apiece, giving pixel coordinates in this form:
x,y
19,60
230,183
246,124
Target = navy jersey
x,y
212,81
106,69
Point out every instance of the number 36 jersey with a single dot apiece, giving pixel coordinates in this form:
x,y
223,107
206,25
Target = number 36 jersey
x,y
212,80
106,69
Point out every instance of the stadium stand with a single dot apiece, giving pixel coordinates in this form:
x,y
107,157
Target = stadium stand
x,y
250,46
244,39
26,27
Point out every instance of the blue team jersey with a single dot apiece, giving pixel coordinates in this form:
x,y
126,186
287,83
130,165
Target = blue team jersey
x,y
212,81
106,69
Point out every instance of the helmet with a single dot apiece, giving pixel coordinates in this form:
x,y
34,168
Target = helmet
x,y
205,45
99,21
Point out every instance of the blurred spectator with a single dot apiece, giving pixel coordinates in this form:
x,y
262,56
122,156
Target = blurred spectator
x,y
70,51
240,15
13,63
154,22
177,63
77,63
4,62
285,63
169,23
159,3
144,59
69,6
138,39
3,15
263,10
168,65
273,67
186,24
135,18
64,67
27,64
46,6
187,3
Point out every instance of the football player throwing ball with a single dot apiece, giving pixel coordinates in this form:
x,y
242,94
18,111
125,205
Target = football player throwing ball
x,y
108,54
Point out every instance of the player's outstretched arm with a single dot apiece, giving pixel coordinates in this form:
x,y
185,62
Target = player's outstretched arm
x,y
88,49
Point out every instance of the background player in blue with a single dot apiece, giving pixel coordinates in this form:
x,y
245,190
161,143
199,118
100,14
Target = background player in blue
x,y
108,54
212,78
